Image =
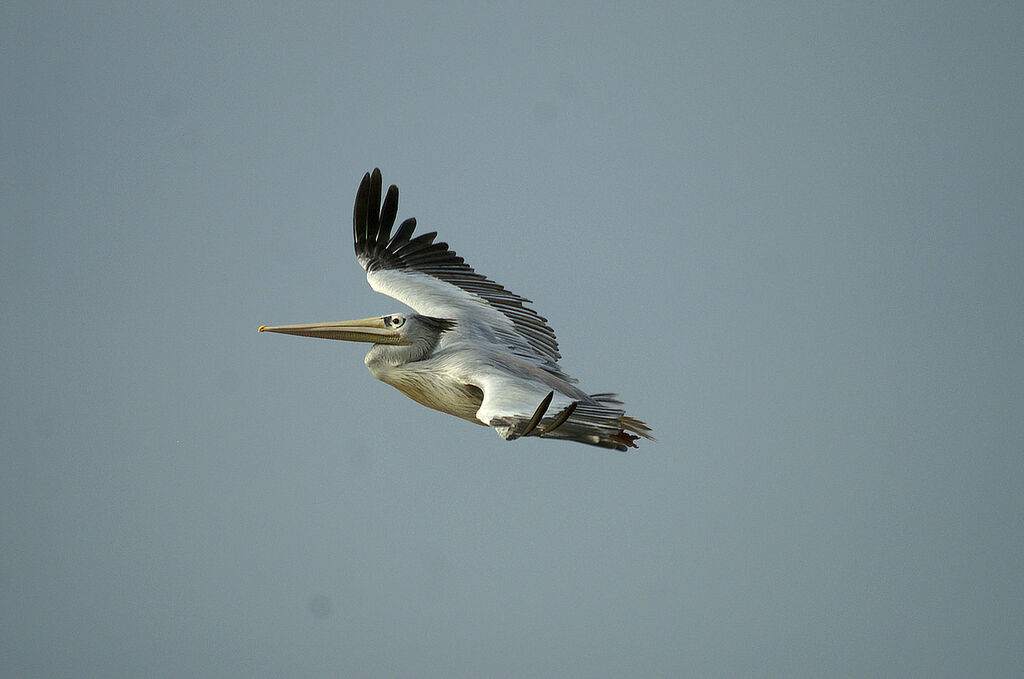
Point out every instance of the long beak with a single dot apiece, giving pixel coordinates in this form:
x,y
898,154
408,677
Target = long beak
x,y
364,330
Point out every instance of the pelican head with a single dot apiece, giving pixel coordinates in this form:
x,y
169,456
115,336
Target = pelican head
x,y
417,335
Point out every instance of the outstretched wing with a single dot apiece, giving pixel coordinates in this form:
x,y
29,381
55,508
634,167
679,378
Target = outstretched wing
x,y
433,280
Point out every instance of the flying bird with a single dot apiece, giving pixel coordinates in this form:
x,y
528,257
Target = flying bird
x,y
473,349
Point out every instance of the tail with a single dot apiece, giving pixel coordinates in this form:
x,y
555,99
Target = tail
x,y
601,420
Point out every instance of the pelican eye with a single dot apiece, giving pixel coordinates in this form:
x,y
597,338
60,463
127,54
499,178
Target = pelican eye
x,y
394,321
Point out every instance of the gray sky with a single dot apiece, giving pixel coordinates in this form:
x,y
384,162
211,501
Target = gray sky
x,y
790,236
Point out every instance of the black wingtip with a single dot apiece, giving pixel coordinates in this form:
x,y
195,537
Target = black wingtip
x,y
372,222
401,236
373,207
562,417
359,212
538,414
388,213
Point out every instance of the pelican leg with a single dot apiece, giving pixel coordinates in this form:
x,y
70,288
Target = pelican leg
x,y
560,420
539,413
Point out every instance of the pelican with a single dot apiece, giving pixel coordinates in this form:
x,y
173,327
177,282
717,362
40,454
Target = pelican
x,y
472,349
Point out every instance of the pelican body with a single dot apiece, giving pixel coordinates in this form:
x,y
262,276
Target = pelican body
x,y
472,349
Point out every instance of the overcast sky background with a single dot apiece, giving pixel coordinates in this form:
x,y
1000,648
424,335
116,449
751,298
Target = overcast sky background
x,y
790,236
